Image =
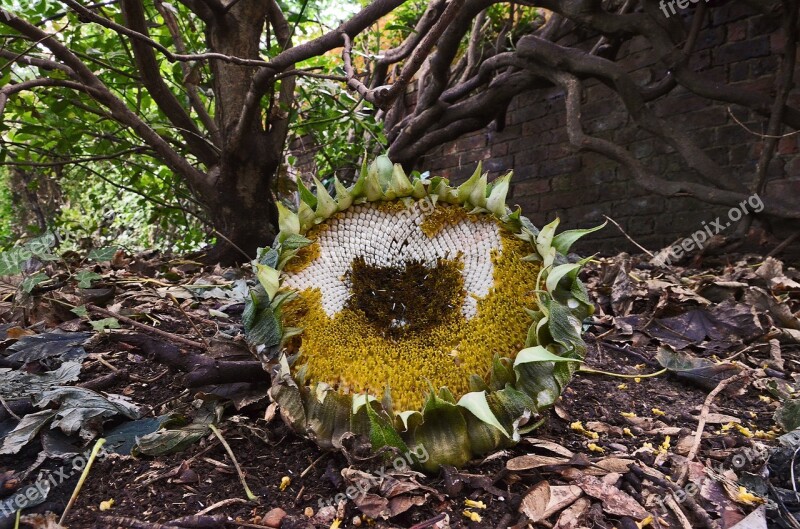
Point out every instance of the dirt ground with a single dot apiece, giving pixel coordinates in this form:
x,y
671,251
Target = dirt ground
x,y
612,451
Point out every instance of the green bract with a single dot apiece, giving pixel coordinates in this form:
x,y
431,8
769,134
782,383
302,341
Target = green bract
x,y
426,317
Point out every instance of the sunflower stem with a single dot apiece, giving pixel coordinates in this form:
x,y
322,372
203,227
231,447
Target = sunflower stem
x,y
250,495
589,370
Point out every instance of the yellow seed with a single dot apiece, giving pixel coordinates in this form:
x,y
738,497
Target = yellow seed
x,y
622,386
637,379
744,430
285,482
475,517
765,398
747,497
627,431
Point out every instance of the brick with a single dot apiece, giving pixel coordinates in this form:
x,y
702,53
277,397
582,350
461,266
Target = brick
x,y
739,51
762,25
737,31
530,187
562,166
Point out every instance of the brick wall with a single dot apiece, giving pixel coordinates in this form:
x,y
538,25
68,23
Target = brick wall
x,y
551,180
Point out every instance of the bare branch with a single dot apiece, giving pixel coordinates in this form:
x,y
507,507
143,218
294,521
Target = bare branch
x,y
424,24
331,40
188,75
10,89
146,63
581,140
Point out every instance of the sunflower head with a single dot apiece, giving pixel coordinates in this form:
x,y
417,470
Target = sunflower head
x,y
430,318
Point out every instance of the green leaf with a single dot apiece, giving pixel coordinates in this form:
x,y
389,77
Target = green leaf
x,y
85,278
539,354
557,273
80,311
295,242
788,415
102,254
381,431
30,282
105,323
476,403
564,240
269,279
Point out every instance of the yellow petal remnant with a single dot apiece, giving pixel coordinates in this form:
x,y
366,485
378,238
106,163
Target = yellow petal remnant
x,y
285,482
475,517
475,504
637,380
578,427
746,497
594,448
744,430
622,386
336,523
658,413
644,523
627,414
106,505
627,431
764,398
665,445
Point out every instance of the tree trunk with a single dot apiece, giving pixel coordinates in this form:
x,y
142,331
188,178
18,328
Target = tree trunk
x,y
240,202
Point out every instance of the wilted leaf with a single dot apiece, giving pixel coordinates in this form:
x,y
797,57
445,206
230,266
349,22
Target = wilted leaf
x,y
534,503
25,431
44,347
614,500
83,410
788,415
698,370
20,384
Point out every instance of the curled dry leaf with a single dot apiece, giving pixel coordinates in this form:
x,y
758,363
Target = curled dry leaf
x,y
615,501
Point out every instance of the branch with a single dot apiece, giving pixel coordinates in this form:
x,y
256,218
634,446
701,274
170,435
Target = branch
x,y
10,89
146,63
578,62
61,163
784,83
95,87
265,76
582,141
191,87
424,24
21,58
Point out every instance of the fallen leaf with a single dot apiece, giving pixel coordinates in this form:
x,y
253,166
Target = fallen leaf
x,y
534,503
615,501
